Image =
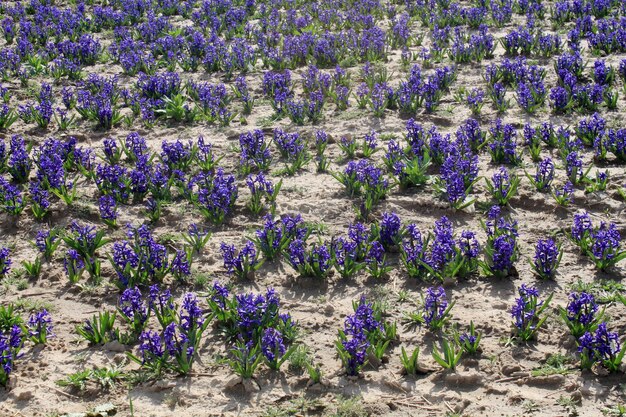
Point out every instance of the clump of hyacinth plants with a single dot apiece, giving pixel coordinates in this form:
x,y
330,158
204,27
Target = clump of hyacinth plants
x,y
83,241
365,249
263,193
440,255
254,327
529,313
581,314
436,309
173,347
547,258
501,249
458,174
600,243
10,345
135,311
39,327
275,236
365,334
5,262
99,329
140,260
502,144
376,261
15,332
47,242
345,256
293,148
413,252
544,175
468,341
502,186
255,152
321,143
243,262
603,347
196,237
435,314
452,257
364,179
315,261
214,195
388,232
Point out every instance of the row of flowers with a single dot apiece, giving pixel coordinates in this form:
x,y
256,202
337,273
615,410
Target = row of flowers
x,y
163,96
153,50
165,337
129,169
438,255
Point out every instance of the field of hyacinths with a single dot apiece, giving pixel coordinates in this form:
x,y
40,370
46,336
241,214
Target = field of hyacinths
x,y
332,208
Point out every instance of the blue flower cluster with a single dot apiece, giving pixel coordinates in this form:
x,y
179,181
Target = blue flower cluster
x,y
581,314
503,186
458,172
276,234
436,309
241,263
315,262
601,243
353,341
501,249
364,179
547,258
502,143
216,195
527,312
603,346
139,260
10,345
255,153
40,327
175,346
5,261
255,325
